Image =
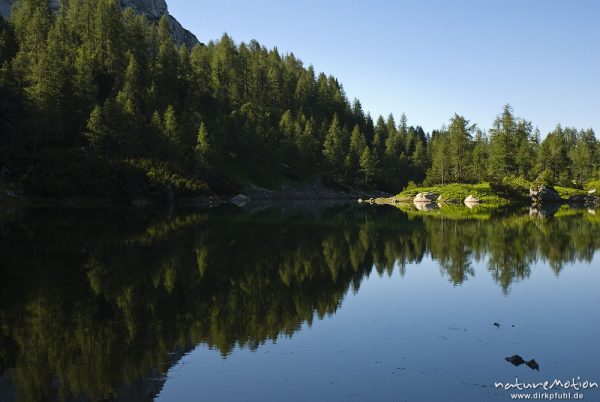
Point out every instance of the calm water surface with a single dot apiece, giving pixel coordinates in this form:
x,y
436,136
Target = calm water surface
x,y
295,303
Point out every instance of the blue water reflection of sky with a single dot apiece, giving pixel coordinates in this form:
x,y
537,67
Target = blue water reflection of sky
x,y
416,338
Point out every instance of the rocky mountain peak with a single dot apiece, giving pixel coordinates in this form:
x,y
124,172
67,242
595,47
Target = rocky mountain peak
x,y
153,9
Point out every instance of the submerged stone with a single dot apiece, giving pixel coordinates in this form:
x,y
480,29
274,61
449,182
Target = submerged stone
x,y
515,360
532,364
240,200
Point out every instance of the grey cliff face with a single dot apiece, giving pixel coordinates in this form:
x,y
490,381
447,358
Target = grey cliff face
x,y
153,9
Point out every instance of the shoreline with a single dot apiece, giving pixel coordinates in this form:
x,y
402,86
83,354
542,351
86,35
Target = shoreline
x,y
213,201
479,196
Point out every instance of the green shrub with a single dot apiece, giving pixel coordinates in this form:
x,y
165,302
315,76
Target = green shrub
x,y
411,185
161,175
74,173
514,188
594,184
566,192
545,178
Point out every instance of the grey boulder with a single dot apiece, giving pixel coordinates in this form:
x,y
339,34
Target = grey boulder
x,y
544,194
426,198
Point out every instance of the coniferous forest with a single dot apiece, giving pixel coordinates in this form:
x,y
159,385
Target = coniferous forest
x,y
100,102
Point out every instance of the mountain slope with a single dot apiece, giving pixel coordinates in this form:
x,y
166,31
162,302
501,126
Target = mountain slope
x,y
153,9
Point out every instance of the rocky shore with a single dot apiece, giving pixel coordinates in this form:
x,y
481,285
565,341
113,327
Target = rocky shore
x,y
540,195
312,191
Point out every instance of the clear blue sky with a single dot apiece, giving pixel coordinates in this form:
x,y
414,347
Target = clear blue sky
x,y
430,59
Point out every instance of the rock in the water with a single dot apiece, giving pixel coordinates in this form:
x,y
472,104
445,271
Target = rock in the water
x,y
532,364
471,201
240,200
544,194
577,199
153,9
588,200
140,203
592,191
425,197
515,360
592,201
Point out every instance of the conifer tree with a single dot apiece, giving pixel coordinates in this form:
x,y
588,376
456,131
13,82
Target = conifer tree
x,y
203,148
104,130
165,68
171,130
459,148
502,149
333,149
53,93
130,94
440,171
308,144
357,146
8,42
367,164
97,132
480,156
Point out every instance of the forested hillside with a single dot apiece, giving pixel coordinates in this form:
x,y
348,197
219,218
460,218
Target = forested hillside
x,y
99,102
512,148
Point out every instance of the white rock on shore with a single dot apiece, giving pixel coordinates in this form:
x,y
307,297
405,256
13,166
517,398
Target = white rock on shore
x,y
471,201
425,198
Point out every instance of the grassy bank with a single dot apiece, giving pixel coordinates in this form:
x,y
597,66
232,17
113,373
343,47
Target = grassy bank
x,y
456,193
511,191
566,192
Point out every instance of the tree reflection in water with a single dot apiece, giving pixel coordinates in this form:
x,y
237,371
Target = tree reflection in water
x,y
95,301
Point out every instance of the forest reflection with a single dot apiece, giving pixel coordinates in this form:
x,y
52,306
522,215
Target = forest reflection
x,y
98,304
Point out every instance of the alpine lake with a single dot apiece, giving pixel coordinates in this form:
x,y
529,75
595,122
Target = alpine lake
x,y
297,302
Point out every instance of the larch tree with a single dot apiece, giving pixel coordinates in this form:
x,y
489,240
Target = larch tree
x,y
333,148
368,164
501,149
357,146
459,147
203,148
